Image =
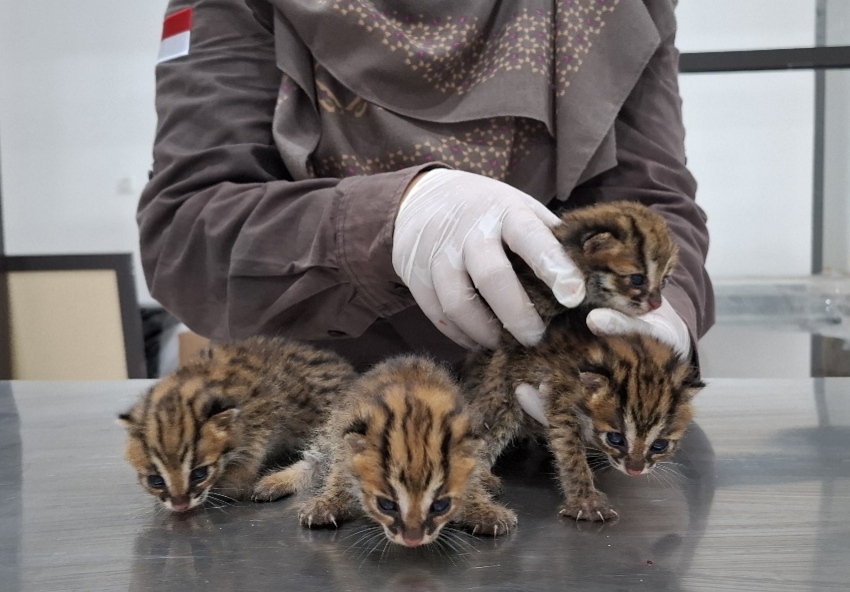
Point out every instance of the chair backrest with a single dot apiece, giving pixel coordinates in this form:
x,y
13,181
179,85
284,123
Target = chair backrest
x,y
72,317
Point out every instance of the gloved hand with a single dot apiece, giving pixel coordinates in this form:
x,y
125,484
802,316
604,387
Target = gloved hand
x,y
448,243
664,324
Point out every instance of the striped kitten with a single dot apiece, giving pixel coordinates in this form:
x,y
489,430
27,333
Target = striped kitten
x,y
627,397
401,451
625,252
212,426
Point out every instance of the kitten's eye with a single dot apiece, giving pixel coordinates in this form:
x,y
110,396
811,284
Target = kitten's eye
x,y
156,482
199,474
387,506
659,445
441,506
637,279
616,439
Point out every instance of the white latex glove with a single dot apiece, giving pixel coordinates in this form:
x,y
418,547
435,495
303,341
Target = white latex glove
x,y
531,401
664,324
448,243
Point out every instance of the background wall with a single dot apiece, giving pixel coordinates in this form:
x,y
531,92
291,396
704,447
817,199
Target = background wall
x,y
77,123
750,136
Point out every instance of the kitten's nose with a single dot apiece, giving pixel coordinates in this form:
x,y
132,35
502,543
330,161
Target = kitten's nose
x,y
634,468
654,300
412,537
180,503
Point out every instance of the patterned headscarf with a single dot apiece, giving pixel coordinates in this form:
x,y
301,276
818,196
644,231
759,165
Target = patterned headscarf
x,y
524,91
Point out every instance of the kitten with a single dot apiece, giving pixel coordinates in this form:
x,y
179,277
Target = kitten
x,y
214,424
625,252
401,451
627,397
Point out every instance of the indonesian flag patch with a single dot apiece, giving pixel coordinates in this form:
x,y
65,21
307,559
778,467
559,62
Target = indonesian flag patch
x,y
176,31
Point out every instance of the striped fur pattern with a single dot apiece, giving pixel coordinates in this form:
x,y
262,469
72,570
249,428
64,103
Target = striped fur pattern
x,y
624,250
402,452
626,397
216,423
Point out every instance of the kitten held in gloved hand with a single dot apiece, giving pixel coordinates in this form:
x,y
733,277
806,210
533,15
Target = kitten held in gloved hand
x,y
449,249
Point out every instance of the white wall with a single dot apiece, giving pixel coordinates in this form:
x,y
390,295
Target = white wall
x,y
750,137
752,156
76,122
723,25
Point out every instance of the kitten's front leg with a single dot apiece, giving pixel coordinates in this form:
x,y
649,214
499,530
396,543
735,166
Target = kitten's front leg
x,y
584,501
238,479
333,505
498,415
294,478
481,515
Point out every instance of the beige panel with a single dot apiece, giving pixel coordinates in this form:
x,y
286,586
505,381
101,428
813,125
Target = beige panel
x,y
191,344
66,325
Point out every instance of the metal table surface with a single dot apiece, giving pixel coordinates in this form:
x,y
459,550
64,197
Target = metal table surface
x,y
760,501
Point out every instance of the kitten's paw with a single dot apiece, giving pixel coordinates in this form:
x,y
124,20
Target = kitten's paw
x,y
272,487
489,520
318,512
594,508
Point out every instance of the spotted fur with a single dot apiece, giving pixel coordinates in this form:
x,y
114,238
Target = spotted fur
x,y
596,390
401,451
631,390
214,425
624,250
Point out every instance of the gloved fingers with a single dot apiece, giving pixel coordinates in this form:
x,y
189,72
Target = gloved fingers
x,y
428,301
664,324
547,216
606,321
527,235
462,305
529,398
496,280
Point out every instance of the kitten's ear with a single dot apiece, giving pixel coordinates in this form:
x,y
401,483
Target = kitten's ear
x,y
595,386
470,447
224,421
691,381
221,413
593,381
357,443
692,390
355,436
595,243
127,421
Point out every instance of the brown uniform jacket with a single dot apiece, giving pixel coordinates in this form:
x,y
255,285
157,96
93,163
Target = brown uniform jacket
x,y
233,246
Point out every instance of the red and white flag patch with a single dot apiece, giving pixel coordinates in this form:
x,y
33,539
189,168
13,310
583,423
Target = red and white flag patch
x,y
176,33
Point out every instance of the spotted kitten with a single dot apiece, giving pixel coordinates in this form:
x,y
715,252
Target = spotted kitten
x,y
216,423
625,252
626,397
400,450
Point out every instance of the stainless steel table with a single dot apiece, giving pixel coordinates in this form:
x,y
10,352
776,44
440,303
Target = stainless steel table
x,y
760,501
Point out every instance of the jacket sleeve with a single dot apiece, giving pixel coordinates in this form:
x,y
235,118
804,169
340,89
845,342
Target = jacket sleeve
x,y
651,168
230,243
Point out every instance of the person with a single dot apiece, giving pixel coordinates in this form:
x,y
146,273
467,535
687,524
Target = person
x,y
349,172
